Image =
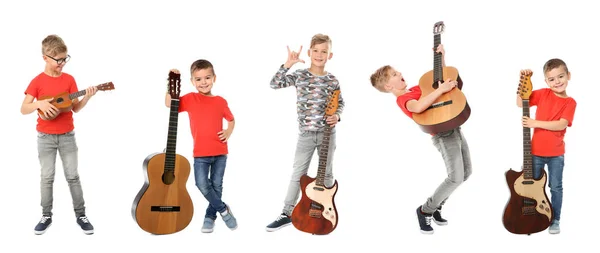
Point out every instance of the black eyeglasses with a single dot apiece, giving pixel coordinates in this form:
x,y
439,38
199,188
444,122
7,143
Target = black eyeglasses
x,y
60,61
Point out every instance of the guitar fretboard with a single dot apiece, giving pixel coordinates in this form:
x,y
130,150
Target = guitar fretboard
x,y
323,156
527,158
77,94
437,60
170,152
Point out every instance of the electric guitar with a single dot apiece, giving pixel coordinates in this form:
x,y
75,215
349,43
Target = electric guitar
x,y
316,213
64,101
528,209
163,205
450,110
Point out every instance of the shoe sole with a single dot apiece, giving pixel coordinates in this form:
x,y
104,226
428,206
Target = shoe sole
x,y
554,232
206,230
440,223
88,232
42,232
278,228
427,232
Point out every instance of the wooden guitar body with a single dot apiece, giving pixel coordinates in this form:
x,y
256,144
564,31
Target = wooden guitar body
x,y
315,213
448,111
528,210
163,205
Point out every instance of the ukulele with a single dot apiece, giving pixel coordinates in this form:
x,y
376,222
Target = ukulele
x,y
528,209
64,101
450,110
316,213
163,205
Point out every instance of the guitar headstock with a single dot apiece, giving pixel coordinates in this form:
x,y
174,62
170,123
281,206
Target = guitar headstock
x,y
106,86
174,84
332,105
438,28
525,86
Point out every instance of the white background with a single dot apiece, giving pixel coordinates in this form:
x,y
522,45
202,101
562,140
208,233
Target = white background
x,y
384,164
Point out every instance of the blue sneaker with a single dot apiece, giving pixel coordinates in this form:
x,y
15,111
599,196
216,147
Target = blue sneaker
x,y
228,218
85,225
424,221
44,224
208,225
554,227
281,221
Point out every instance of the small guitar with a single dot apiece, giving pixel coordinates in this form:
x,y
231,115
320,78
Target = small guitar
x,y
528,209
64,101
316,213
163,205
451,109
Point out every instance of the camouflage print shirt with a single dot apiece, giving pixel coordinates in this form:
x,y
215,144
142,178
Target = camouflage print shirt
x,y
312,92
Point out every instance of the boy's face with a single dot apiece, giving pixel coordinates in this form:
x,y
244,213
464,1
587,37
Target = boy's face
x,y
558,79
52,61
203,80
319,54
396,81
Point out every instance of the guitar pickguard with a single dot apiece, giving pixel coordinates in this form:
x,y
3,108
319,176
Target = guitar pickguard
x,y
534,189
324,197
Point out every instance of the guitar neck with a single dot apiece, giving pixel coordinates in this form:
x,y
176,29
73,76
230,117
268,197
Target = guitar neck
x,y
437,59
170,152
323,156
80,93
527,157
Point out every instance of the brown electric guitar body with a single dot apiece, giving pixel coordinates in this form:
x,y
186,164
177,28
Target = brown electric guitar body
x,y
163,205
64,101
316,213
450,110
528,210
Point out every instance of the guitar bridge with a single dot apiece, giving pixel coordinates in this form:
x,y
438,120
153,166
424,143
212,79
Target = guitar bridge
x,y
439,104
165,208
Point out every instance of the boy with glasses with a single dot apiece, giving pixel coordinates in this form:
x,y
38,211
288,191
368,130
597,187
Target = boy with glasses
x,y
55,131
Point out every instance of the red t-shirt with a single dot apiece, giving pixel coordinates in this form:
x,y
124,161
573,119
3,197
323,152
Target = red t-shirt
x,y
413,93
45,85
550,108
206,121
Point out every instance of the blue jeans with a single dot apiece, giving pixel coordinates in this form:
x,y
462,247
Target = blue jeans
x,y
211,187
555,176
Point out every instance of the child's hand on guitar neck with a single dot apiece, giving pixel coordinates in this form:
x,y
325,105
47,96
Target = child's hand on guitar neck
x,y
440,49
448,85
90,91
49,110
524,72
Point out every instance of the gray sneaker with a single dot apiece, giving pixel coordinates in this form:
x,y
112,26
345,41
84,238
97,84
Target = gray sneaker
x,y
208,225
228,218
554,227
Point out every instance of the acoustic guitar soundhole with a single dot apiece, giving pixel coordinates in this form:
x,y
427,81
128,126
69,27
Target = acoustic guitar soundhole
x,y
59,100
168,177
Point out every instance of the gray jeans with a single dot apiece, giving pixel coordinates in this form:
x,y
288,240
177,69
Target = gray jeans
x,y
308,141
455,151
65,144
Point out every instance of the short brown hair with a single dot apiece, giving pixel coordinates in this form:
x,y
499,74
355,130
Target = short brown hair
x,y
53,45
201,64
320,38
554,63
380,77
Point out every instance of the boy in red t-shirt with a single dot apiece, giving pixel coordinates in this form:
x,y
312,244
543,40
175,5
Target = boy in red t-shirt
x,y
451,144
55,130
555,112
206,112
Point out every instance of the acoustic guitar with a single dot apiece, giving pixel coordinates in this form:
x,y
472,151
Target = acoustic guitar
x,y
316,213
528,209
163,205
64,101
450,110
